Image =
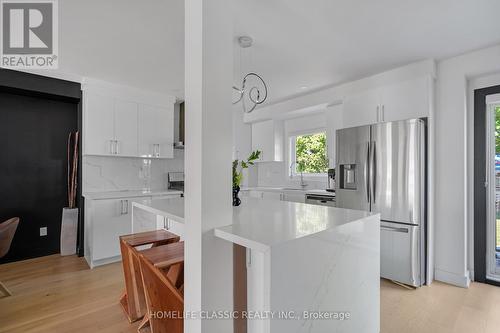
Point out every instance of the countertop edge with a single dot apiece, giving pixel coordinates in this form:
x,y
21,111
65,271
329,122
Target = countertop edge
x,y
158,212
126,194
245,242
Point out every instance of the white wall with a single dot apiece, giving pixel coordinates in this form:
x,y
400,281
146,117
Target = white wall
x,y
452,156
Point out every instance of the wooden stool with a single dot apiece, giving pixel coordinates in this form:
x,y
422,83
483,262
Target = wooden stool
x,y
162,270
132,300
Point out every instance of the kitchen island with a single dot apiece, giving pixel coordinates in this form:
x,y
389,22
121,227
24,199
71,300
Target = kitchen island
x,y
310,268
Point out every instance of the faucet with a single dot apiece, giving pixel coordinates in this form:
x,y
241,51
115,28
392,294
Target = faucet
x,y
302,182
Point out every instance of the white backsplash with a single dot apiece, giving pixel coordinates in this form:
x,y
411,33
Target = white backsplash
x,y
275,174
103,173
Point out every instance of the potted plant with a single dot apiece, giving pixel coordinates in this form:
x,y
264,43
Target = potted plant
x,y
238,167
69,221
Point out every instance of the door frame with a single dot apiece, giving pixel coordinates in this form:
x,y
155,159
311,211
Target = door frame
x,y
492,272
480,177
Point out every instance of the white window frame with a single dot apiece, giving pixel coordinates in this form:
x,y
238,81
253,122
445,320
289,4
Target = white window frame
x,y
292,172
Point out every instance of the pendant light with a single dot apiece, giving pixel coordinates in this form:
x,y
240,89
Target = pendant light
x,y
253,90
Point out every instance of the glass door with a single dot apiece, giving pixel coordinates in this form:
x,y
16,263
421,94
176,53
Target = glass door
x,y
493,185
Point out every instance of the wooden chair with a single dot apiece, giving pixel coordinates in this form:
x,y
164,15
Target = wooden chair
x,y
133,300
162,270
7,232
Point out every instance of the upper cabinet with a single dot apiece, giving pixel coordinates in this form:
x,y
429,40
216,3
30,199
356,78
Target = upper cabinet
x,y
118,122
267,136
398,101
406,100
361,108
99,128
155,138
125,128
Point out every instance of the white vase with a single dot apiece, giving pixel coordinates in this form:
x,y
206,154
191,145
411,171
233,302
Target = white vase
x,y
69,230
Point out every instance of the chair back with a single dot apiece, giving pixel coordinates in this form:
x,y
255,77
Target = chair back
x,y
163,299
7,232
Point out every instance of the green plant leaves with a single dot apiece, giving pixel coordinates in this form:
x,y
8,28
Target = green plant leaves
x,y
310,153
238,174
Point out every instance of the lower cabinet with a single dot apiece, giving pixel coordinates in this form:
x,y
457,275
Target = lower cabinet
x,y
108,220
274,195
294,197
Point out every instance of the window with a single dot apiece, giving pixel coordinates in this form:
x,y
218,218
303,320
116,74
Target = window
x,y
308,154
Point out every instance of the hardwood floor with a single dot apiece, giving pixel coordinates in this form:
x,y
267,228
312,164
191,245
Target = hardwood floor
x,y
60,294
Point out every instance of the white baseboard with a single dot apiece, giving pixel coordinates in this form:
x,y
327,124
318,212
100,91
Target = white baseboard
x,y
95,263
452,278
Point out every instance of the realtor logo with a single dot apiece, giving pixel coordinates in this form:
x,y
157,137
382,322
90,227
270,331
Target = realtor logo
x,y
29,34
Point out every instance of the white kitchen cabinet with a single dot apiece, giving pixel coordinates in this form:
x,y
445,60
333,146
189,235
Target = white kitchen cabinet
x,y
406,100
255,194
155,131
272,195
294,197
397,101
120,121
110,219
361,108
110,126
268,137
99,124
126,128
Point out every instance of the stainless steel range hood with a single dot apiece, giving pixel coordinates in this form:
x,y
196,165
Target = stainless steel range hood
x,y
179,126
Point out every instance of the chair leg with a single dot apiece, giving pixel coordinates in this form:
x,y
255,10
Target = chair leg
x,y
144,323
5,292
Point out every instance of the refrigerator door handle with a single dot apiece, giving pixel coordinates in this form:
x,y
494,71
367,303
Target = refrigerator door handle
x,y
403,230
367,172
373,171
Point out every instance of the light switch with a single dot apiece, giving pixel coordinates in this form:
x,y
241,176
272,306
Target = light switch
x,y
43,231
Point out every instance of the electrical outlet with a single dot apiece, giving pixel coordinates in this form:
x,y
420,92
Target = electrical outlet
x,y
43,231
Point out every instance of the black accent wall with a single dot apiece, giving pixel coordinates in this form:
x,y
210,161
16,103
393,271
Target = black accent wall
x,y
36,115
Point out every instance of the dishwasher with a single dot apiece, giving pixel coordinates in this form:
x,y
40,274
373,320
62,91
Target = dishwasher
x,y
320,199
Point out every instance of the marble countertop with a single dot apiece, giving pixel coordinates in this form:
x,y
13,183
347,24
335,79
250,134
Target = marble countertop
x,y
259,224
127,194
172,208
289,189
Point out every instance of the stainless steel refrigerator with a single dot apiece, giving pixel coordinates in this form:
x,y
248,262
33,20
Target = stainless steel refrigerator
x,y
381,168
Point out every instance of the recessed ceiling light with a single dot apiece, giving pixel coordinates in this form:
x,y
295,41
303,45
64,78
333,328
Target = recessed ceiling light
x,y
303,87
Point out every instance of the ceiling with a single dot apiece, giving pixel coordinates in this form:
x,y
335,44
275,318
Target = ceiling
x,y
315,43
299,44
131,42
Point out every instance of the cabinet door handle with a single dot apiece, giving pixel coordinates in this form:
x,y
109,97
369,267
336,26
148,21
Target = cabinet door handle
x,y
116,147
156,150
383,112
111,147
121,208
378,113
126,206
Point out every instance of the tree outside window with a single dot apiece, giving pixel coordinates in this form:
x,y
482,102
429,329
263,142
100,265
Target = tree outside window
x,y
310,153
